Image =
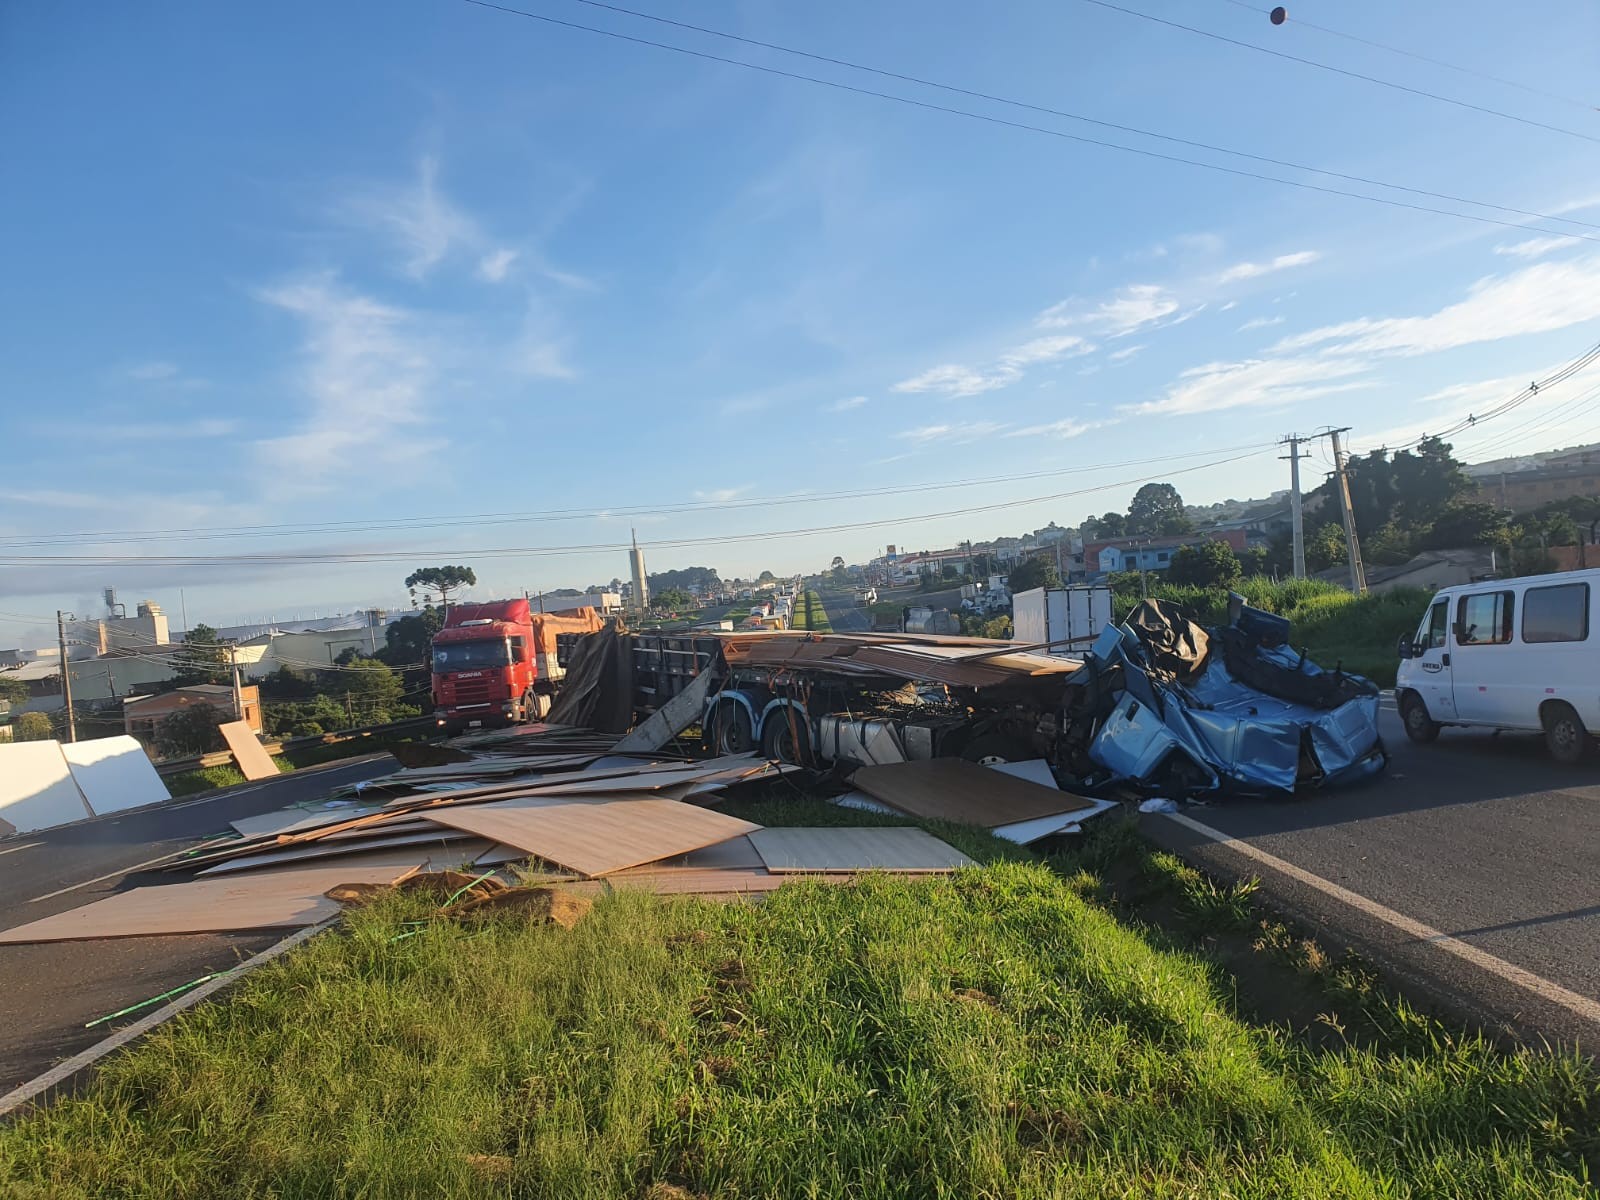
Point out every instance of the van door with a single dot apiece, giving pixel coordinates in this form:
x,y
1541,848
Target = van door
x,y
1484,663
1432,680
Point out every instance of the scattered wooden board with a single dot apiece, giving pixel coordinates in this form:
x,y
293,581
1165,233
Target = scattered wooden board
x,y
951,789
834,849
294,820
37,790
261,900
114,774
254,762
333,847
594,836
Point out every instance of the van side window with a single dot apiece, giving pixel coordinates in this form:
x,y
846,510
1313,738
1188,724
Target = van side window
x,y
1438,626
1485,619
1556,614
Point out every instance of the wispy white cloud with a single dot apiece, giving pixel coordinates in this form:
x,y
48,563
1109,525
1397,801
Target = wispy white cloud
x,y
1261,323
1130,309
1537,299
1068,427
1231,304
149,371
1254,382
1283,262
721,495
847,403
1125,353
365,374
1535,247
1046,349
419,217
951,379
955,431
496,265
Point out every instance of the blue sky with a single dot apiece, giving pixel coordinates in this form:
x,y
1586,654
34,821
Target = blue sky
x,y
304,263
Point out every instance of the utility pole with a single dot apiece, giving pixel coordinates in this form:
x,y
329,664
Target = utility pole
x,y
1296,516
66,675
238,691
1358,573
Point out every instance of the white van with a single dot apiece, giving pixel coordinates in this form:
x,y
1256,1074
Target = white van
x,y
1507,654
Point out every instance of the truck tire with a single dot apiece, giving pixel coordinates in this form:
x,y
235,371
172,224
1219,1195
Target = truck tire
x,y
786,744
731,731
1564,733
1420,727
989,748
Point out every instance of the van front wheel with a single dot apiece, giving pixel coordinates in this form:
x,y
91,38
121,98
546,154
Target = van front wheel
x,y
1420,727
1564,733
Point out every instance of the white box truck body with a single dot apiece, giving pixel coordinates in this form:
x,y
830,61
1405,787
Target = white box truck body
x,y
1072,617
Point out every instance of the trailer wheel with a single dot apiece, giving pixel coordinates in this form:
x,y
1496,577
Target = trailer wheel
x,y
732,732
990,748
1564,733
786,743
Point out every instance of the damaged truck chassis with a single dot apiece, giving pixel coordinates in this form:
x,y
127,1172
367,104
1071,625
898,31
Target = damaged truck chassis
x,y
1159,706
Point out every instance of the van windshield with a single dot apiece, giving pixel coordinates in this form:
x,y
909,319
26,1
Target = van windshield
x,y
470,656
1433,634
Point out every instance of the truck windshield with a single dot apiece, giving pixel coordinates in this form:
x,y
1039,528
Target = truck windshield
x,y
470,656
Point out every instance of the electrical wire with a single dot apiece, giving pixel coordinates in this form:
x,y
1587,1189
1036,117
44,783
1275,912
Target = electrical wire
x,y
1022,125
1071,116
1322,66
53,561
480,520
1437,62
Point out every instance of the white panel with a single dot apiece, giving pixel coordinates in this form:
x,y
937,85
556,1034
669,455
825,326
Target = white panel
x,y
1030,623
114,774
36,787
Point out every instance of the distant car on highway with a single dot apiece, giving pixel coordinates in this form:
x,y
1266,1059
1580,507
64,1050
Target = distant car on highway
x,y
1521,654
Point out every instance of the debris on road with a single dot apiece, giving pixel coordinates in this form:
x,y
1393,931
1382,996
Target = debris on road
x,y
45,784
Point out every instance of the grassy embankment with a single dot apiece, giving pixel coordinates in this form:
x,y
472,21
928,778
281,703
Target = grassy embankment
x,y
1009,1032
810,614
186,783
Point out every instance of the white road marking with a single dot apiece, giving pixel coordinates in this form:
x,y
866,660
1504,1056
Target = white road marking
x,y
14,849
1510,972
113,875
62,1071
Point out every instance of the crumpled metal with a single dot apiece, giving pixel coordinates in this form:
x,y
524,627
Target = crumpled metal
x,y
1211,735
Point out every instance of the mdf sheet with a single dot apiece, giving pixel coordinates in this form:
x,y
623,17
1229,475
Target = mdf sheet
x,y
114,774
296,820
37,790
332,848
594,836
262,900
254,762
952,789
834,849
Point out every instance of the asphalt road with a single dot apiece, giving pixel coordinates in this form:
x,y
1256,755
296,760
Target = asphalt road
x,y
49,992
1480,837
844,616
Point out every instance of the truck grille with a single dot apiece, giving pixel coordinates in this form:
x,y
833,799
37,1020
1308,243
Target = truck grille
x,y
472,691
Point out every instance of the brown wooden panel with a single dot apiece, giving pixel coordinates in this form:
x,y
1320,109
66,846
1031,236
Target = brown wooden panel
x,y
835,850
595,836
951,789
254,762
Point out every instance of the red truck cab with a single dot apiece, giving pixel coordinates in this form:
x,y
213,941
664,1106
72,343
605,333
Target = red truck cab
x,y
497,663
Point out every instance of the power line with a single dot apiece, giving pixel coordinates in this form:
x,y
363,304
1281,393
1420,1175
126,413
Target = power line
x,y
478,520
1322,66
1437,62
1022,125
1071,116
53,561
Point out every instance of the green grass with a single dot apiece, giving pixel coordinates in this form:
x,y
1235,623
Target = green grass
x,y
809,613
187,783
999,1033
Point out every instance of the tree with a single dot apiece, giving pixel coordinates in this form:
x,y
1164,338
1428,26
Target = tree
x,y
1033,573
190,730
13,690
950,571
406,641
1157,508
1110,525
440,581
1389,545
1324,547
1210,565
1256,560
368,689
838,563
32,727
673,598
1466,523
204,658
765,577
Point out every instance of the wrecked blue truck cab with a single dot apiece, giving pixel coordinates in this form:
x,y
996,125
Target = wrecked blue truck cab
x,y
1170,708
